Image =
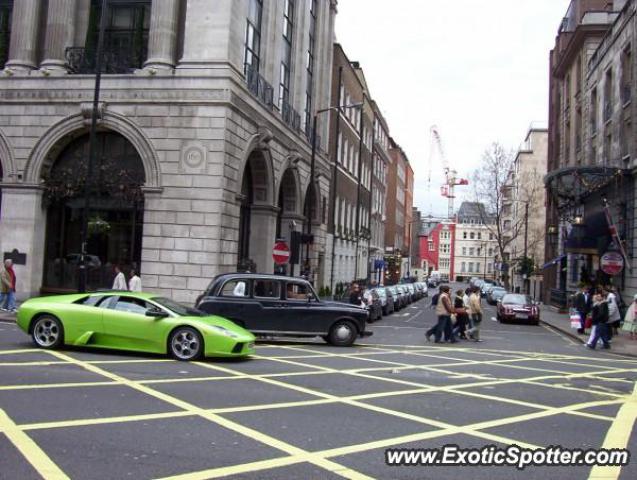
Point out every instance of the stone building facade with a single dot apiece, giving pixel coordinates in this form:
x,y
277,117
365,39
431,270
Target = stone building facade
x,y
527,188
203,145
592,149
475,244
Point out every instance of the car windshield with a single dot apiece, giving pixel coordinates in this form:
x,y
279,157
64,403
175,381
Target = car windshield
x,y
381,293
498,290
178,308
516,299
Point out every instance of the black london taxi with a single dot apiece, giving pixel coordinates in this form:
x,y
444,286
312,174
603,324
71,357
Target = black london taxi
x,y
282,306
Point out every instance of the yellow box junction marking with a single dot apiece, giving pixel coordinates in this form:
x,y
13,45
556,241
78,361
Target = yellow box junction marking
x,y
618,436
30,450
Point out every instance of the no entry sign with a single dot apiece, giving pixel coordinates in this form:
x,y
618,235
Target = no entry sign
x,y
281,253
612,263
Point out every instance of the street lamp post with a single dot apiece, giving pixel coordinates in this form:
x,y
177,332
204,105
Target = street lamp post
x,y
526,244
82,273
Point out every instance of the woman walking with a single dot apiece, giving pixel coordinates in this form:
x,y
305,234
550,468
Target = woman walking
x,y
600,322
461,315
630,322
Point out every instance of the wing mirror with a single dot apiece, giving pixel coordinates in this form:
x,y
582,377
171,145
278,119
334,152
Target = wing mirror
x,y
156,313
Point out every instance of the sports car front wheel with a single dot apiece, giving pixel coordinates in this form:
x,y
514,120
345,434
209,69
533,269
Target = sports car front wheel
x,y
185,344
47,332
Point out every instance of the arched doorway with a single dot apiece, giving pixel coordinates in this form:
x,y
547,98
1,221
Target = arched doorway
x,y
256,226
115,216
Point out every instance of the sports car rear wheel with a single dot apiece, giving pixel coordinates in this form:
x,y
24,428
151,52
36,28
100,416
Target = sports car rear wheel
x,y
185,344
47,332
342,334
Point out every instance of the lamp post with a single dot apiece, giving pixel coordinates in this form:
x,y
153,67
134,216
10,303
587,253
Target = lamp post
x,y
82,273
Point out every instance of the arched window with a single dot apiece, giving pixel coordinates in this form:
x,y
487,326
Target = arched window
x,y
115,217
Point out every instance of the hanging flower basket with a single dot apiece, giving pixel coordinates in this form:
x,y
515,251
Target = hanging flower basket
x,y
98,226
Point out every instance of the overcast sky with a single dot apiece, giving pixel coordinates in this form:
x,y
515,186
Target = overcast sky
x,y
478,69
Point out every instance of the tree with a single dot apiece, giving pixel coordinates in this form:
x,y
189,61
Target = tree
x,y
490,184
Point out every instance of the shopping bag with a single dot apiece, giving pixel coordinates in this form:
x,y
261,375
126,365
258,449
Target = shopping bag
x,y
576,321
588,322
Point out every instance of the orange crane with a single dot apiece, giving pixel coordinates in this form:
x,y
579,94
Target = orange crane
x,y
451,178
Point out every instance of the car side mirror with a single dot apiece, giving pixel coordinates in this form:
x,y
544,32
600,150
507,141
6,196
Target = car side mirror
x,y
156,313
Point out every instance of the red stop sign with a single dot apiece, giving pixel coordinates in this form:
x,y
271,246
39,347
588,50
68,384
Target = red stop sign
x,y
281,253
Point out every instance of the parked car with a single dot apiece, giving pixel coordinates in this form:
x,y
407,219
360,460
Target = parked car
x,y
399,299
518,307
280,305
386,300
131,321
413,293
374,305
495,294
405,293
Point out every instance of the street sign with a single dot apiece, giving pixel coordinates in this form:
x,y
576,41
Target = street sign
x,y
612,263
281,253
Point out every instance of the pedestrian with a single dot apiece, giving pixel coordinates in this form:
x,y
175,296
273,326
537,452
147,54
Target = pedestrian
x,y
582,304
476,315
630,322
8,279
120,280
614,314
444,310
355,295
434,300
600,318
461,315
135,283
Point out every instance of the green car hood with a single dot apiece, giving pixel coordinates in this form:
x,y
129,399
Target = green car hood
x,y
219,322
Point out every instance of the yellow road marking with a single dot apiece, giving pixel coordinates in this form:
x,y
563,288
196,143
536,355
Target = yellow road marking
x,y
30,450
222,421
56,385
618,436
22,350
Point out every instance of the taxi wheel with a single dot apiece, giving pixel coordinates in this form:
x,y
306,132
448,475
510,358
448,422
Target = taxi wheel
x,y
342,334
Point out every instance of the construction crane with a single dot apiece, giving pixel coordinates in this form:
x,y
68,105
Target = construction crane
x,y
451,175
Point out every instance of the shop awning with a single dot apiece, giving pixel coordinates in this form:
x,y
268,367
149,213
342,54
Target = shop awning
x,y
591,238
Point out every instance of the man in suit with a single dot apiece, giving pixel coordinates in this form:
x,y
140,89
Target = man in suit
x,y
582,303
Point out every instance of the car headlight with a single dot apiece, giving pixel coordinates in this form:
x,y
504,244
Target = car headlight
x,y
224,331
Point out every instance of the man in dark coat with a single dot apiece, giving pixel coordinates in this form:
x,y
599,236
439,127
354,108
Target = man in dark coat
x,y
582,303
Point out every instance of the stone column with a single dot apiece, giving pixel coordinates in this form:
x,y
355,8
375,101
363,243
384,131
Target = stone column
x,y
162,38
60,32
262,233
24,35
22,227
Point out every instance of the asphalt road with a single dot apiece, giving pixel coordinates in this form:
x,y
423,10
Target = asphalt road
x,y
305,410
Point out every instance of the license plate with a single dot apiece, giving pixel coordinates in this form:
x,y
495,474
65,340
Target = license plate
x,y
521,316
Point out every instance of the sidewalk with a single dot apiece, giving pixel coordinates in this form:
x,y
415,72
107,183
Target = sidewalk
x,y
7,317
621,343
